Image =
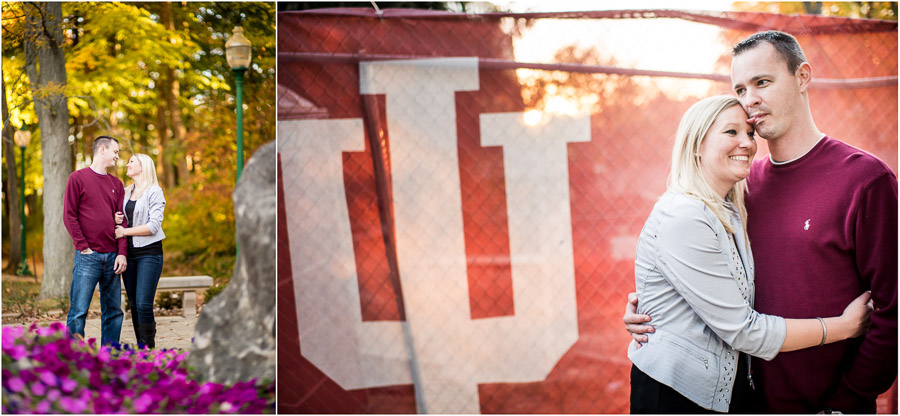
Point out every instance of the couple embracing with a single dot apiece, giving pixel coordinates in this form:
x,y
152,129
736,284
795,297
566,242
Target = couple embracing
x,y
814,301
116,231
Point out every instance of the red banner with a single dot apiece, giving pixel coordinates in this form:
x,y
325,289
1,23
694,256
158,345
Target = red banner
x,y
458,213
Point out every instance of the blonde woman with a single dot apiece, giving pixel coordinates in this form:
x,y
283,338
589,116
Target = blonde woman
x,y
694,272
144,206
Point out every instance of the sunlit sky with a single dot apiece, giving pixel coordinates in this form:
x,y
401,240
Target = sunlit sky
x,y
651,44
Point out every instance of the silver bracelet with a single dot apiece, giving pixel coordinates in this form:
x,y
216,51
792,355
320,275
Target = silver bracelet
x,y
824,331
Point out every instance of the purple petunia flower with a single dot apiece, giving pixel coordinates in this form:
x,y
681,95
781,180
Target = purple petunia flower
x,y
245,395
38,389
12,333
8,341
73,405
126,393
202,403
67,375
48,378
85,395
28,376
144,368
53,394
15,384
43,407
48,352
16,352
45,331
120,366
142,403
68,385
211,388
257,406
95,380
103,355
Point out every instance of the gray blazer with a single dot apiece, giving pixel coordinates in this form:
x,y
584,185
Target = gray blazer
x,y
148,210
696,281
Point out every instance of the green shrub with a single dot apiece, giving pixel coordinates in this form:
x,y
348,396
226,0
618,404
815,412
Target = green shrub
x,y
168,300
212,292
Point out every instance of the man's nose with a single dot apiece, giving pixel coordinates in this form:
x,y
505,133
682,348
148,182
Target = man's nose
x,y
750,99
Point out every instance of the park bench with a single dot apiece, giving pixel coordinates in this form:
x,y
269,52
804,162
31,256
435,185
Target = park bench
x,y
188,285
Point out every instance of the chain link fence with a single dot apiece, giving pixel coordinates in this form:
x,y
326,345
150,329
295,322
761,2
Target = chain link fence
x,y
461,195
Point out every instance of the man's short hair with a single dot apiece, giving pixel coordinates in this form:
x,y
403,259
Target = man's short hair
x,y
785,44
103,141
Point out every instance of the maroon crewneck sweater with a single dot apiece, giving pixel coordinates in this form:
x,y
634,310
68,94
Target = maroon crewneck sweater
x,y
90,206
823,229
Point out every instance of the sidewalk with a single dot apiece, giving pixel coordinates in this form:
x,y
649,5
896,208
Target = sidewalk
x,y
171,331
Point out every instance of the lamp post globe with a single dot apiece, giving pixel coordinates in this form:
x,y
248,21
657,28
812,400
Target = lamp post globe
x,y
237,50
22,137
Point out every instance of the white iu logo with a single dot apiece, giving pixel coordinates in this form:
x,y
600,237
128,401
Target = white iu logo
x,y
806,225
439,348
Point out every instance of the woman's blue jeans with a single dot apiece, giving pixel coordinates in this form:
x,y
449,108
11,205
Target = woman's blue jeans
x,y
141,278
89,270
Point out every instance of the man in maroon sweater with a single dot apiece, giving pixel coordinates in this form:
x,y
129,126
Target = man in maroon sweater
x,y
822,221
92,199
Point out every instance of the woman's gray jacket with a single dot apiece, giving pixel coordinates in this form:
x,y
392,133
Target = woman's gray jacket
x,y
697,286
148,210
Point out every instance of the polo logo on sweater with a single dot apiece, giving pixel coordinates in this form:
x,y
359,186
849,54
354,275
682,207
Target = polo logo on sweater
x,y
806,225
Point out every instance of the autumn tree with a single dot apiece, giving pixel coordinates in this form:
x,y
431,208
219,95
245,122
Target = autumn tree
x,y
171,90
45,65
14,80
884,10
12,188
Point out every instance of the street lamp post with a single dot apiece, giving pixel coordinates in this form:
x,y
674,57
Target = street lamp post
x,y
237,52
22,139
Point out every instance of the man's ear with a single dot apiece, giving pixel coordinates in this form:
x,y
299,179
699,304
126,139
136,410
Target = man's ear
x,y
803,75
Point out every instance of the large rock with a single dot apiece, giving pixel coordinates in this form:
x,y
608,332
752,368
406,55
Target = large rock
x,y
235,335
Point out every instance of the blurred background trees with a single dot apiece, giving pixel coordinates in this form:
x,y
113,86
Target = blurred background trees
x,y
883,10
153,75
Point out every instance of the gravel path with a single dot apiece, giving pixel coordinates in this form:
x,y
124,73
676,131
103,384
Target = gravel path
x,y
171,331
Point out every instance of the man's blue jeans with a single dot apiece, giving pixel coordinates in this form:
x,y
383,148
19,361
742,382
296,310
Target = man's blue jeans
x,y
89,270
141,278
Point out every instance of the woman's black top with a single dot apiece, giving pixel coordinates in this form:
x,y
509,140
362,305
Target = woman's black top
x,y
148,250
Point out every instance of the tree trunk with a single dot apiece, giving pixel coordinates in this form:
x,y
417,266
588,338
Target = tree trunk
x,y
162,159
44,46
12,189
172,91
812,7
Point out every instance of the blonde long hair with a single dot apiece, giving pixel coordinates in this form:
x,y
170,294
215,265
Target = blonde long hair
x,y
147,177
686,175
